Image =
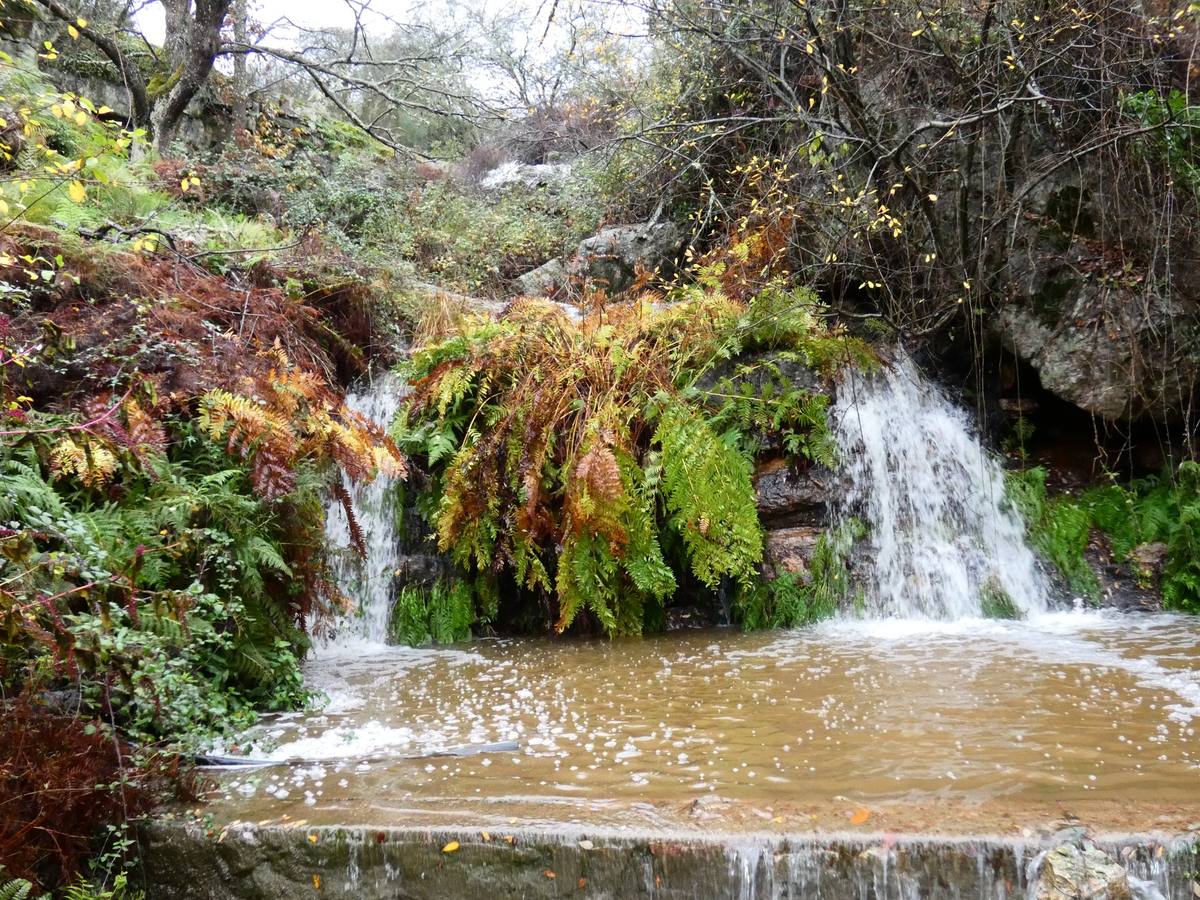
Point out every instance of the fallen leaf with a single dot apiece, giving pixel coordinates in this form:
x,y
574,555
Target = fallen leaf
x,y
486,837
451,847
860,816
586,845
582,883
312,838
549,874
317,882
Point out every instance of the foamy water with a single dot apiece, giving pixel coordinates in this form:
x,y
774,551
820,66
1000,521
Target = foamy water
x,y
368,582
941,534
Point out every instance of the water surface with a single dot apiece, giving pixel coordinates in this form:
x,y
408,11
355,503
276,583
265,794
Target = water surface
x,y
911,723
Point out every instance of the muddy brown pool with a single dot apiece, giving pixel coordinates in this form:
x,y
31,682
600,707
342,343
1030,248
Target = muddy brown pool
x,y
882,724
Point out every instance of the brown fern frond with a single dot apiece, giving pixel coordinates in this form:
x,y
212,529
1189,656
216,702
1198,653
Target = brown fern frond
x,y
356,536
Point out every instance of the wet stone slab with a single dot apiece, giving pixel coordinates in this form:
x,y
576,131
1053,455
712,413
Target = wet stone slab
x,y
184,861
853,759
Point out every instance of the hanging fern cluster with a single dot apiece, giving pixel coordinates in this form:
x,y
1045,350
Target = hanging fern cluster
x,y
591,460
168,563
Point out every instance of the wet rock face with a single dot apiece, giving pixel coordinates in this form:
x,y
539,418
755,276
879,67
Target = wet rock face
x,y
609,259
787,495
1074,872
1093,322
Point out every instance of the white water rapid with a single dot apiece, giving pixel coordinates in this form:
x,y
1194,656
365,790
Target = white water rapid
x,y
941,536
368,582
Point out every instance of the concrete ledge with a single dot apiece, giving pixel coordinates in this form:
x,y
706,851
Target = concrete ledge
x,y
185,861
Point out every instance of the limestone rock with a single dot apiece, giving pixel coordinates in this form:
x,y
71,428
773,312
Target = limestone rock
x,y
609,259
544,280
1074,872
1094,325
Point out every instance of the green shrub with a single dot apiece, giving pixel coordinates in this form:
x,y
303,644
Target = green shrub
x,y
1058,528
442,613
1166,510
1163,509
612,475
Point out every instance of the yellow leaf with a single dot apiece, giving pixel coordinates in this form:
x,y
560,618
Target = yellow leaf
x,y
81,22
3,208
76,192
184,186
317,881
860,816
73,32
80,117
451,847
933,198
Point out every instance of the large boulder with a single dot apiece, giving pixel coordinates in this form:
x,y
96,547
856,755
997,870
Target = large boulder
x,y
1098,326
609,259
1081,872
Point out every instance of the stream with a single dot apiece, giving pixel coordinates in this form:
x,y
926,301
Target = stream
x,y
913,713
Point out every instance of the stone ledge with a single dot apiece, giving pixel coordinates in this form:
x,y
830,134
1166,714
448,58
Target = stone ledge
x,y
183,861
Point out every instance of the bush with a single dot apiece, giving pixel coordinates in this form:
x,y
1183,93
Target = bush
x,y
1164,509
610,473
169,571
62,780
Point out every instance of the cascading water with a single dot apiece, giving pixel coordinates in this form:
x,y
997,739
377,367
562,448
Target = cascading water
x,y
368,582
942,540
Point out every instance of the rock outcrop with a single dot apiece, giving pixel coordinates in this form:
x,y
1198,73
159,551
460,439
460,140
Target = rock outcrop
x,y
610,259
1091,319
1081,871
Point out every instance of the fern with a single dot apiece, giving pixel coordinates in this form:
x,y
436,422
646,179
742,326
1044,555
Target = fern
x,y
16,889
585,463
710,496
442,612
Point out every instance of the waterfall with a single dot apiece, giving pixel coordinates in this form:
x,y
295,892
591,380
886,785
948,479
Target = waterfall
x,y
943,541
368,582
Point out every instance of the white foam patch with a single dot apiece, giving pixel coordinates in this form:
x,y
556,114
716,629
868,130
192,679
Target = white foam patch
x,y
351,742
1095,638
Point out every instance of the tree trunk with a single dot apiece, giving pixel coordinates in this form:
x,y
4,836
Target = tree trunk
x,y
193,39
241,78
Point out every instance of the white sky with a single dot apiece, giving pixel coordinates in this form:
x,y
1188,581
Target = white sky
x,y
328,13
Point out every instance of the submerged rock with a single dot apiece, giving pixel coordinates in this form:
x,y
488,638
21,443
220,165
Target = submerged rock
x,y
1081,872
